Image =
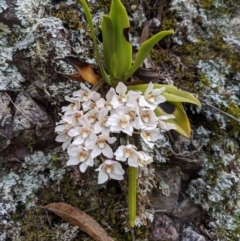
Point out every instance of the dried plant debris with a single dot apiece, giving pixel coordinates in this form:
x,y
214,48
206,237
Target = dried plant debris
x,y
80,219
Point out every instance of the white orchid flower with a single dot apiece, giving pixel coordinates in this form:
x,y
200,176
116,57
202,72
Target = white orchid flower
x,y
120,123
109,97
129,153
164,125
65,124
84,94
124,98
100,145
92,115
92,102
152,97
84,133
74,106
79,154
132,113
150,135
65,138
148,118
101,125
76,116
110,169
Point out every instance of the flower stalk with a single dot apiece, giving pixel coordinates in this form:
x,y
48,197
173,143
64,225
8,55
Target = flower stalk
x,y
132,195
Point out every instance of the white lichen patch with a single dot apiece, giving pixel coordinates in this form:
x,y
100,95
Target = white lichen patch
x,y
215,27
19,187
29,11
3,5
10,78
217,191
159,153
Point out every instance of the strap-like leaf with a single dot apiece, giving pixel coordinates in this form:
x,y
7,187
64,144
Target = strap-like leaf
x,y
89,20
172,93
180,121
108,42
123,48
145,50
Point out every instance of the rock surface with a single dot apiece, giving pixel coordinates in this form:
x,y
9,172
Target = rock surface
x,y
31,123
6,123
187,210
164,229
166,196
190,235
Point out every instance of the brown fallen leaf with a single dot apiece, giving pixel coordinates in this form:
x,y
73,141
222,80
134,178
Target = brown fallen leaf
x,y
84,70
80,219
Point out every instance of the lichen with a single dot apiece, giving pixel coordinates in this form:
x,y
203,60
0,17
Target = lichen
x,y
202,57
207,43
3,5
19,186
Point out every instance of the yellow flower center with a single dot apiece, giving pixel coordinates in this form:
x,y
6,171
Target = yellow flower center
x,y
85,133
85,95
151,98
101,143
123,98
128,153
145,117
108,168
123,123
83,156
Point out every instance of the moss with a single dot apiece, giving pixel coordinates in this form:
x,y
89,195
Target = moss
x,y
101,203
206,4
233,127
69,16
204,80
168,23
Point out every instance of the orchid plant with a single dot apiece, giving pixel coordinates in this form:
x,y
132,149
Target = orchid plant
x,y
89,124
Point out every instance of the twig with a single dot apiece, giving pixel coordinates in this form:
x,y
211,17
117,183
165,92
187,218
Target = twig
x,y
18,108
91,209
187,153
223,112
120,210
157,211
48,219
132,234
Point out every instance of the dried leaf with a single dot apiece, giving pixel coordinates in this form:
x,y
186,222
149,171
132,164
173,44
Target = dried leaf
x,y
85,71
80,219
145,32
147,75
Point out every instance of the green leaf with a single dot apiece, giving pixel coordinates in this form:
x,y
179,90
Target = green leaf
x,y
145,50
89,20
172,93
123,48
181,120
132,195
108,35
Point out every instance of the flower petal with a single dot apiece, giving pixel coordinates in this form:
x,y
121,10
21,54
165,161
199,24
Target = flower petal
x,y
102,177
107,151
73,161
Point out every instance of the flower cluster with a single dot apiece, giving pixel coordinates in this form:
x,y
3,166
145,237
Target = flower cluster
x,y
88,124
